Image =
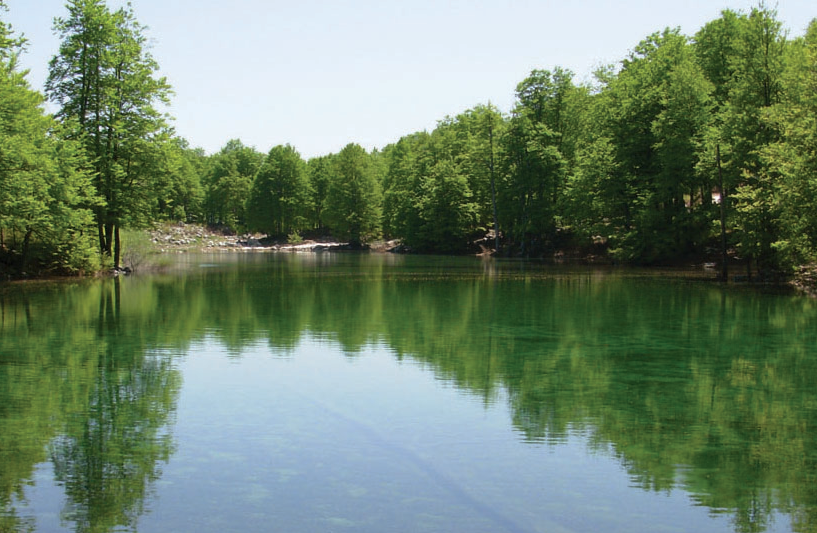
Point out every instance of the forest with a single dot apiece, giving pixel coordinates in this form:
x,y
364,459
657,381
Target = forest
x,y
701,146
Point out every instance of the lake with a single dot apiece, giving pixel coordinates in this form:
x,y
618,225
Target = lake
x,y
372,393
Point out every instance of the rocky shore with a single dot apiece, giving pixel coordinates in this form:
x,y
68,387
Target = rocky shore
x,y
180,237
805,280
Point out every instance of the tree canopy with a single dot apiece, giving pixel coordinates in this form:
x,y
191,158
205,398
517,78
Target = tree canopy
x,y
690,147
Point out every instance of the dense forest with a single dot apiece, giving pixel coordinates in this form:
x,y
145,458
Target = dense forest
x,y
699,146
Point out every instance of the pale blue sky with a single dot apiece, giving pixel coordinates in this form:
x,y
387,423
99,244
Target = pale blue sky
x,y
321,74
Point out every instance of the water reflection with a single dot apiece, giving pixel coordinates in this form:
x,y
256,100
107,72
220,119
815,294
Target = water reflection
x,y
686,384
80,387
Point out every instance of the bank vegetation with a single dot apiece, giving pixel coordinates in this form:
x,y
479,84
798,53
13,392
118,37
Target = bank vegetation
x,y
692,147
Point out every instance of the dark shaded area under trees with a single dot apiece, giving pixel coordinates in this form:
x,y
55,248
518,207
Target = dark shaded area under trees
x,y
691,147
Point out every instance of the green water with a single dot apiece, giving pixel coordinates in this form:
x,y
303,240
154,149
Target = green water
x,y
334,392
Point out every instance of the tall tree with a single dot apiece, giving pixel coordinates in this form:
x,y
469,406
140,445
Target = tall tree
x,y
757,86
656,112
401,187
181,193
789,164
279,197
228,183
44,194
533,175
319,170
535,166
715,49
354,199
104,81
483,158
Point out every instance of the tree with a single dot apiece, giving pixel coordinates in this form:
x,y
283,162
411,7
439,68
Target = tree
x,y
535,166
655,113
790,162
180,194
446,209
401,187
486,125
757,86
228,184
715,49
103,79
279,197
44,194
532,180
354,198
319,170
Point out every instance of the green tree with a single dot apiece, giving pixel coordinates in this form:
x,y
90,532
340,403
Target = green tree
x,y
401,187
319,172
447,210
657,110
757,86
103,79
279,198
354,196
790,162
539,147
228,184
715,48
532,181
482,161
44,195
180,191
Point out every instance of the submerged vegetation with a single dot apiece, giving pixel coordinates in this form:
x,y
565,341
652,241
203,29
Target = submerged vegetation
x,y
691,146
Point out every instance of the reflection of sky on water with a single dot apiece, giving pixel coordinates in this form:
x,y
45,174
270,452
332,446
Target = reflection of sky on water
x,y
317,440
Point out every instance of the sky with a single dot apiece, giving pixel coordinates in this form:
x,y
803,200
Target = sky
x,y
321,74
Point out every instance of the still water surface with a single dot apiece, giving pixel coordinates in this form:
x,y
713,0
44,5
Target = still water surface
x,y
338,392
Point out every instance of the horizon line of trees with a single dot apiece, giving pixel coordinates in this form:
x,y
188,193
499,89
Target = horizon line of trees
x,y
691,146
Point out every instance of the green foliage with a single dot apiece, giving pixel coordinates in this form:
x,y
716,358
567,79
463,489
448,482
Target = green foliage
x,y
632,161
295,238
354,196
430,200
180,195
786,187
278,202
138,250
655,114
401,184
319,172
530,190
45,196
103,80
229,182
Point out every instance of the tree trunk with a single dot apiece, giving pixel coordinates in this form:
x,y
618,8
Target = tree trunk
x,y
101,230
493,188
724,276
117,247
24,255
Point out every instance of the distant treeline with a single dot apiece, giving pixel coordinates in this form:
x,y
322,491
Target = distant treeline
x,y
702,146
